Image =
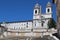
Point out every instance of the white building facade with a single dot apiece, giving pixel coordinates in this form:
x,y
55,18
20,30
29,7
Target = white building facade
x,y
33,27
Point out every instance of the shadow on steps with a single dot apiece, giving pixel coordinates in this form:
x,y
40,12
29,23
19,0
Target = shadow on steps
x,y
56,34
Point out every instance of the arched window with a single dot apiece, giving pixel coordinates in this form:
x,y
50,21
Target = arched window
x,y
42,23
27,24
48,10
35,11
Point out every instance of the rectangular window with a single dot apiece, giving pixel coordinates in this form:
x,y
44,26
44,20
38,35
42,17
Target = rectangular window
x,y
42,24
35,24
27,25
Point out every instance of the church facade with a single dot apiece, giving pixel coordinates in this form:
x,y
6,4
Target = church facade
x,y
33,27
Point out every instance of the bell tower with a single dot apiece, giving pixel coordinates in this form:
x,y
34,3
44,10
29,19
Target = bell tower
x,y
37,16
37,11
48,8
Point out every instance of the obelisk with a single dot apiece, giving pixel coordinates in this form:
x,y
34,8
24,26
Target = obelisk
x,y
58,16
57,2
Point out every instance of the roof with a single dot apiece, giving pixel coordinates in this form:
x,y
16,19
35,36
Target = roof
x,y
48,4
17,21
37,5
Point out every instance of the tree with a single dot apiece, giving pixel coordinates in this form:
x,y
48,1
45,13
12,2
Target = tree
x,y
51,23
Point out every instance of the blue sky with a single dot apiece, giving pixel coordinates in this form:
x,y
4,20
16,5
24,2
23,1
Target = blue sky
x,y
18,10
